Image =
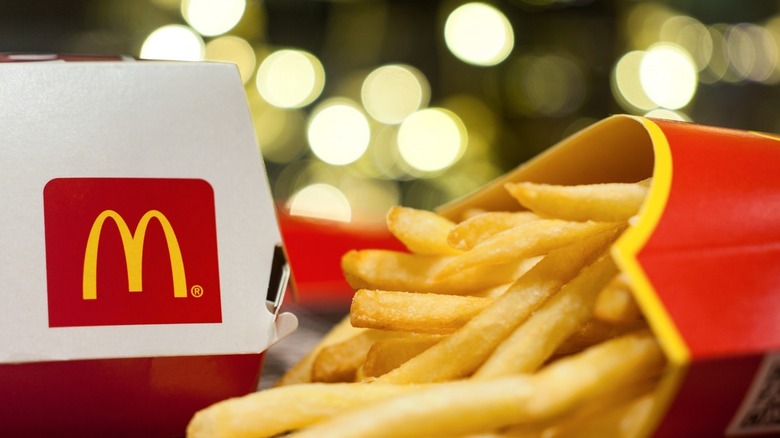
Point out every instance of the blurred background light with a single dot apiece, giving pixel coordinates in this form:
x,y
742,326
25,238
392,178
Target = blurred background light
x,y
290,78
212,17
479,34
626,83
432,139
547,85
173,42
236,50
390,93
661,113
338,132
668,75
752,51
321,201
506,79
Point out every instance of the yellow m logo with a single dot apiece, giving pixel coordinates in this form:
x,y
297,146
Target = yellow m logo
x,y
133,244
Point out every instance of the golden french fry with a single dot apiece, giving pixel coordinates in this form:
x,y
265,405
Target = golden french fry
x,y
301,371
277,410
465,235
524,241
338,362
473,406
624,419
616,303
388,354
531,344
593,332
413,312
421,231
497,291
507,324
613,202
392,270
466,349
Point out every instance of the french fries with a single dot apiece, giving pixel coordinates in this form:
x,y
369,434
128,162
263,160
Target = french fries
x,y
414,312
598,202
504,324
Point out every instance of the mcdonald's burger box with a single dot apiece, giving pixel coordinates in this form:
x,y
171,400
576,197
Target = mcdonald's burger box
x,y
702,258
140,256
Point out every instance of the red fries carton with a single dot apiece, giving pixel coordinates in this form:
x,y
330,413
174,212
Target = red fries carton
x,y
142,265
702,257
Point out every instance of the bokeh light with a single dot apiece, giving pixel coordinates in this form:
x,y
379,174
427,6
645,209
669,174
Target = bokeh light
x,y
668,75
279,132
338,132
212,17
320,201
290,78
391,93
432,139
718,65
233,49
370,199
691,35
662,113
479,34
548,85
752,51
173,42
626,84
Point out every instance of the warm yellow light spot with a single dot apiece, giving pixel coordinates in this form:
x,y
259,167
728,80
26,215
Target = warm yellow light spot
x,y
479,34
290,78
392,92
668,75
626,85
661,113
321,201
691,35
772,27
432,139
550,85
752,51
718,63
173,42
233,49
644,23
338,132
212,17
279,132
371,199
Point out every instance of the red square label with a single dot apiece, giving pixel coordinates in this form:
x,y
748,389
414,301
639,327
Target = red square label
x,y
125,251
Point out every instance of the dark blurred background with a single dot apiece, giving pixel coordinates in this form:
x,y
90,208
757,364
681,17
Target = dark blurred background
x,y
360,105
363,104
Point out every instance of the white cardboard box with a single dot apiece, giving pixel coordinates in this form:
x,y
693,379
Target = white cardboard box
x,y
136,246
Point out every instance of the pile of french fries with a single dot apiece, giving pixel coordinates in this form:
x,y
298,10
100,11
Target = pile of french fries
x,y
504,324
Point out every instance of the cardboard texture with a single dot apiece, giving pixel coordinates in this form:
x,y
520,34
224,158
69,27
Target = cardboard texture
x,y
136,246
701,257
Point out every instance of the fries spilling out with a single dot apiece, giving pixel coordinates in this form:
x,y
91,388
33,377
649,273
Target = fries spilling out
x,y
502,324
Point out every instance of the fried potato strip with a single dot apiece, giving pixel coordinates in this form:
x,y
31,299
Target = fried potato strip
x,y
421,231
613,202
392,270
413,312
466,349
524,241
472,406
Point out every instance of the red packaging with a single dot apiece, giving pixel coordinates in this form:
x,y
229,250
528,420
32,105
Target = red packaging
x,y
701,258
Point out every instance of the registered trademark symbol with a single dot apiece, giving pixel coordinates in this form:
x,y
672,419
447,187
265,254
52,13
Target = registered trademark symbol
x,y
196,291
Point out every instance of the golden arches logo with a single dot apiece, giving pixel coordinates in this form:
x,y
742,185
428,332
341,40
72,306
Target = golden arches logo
x,y
133,244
